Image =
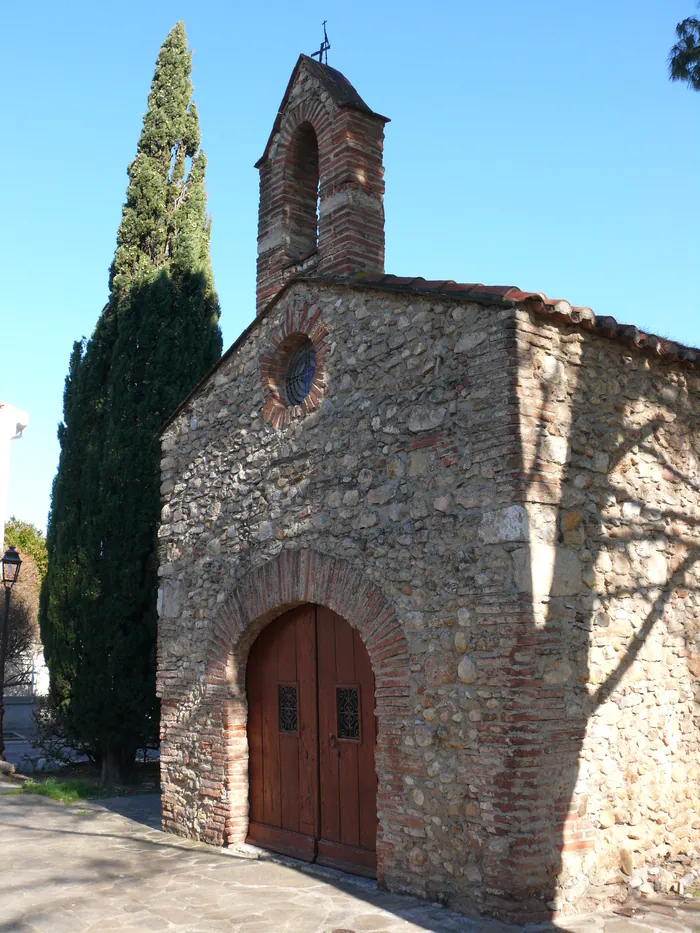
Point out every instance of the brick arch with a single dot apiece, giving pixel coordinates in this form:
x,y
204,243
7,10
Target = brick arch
x,y
262,594
319,117
302,321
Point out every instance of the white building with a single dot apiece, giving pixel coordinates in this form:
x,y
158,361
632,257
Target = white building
x,y
13,421
18,709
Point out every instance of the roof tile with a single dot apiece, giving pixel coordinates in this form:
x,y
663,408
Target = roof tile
x,y
549,307
336,84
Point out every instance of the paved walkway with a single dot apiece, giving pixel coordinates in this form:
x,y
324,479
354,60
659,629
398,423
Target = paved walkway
x,y
105,867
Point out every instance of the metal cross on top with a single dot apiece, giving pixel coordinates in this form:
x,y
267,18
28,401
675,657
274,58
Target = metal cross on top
x,y
325,45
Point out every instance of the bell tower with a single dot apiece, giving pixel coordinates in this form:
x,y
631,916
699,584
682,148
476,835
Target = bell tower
x,y
321,183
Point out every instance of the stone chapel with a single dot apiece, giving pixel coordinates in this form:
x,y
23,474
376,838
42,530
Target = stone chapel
x,y
429,564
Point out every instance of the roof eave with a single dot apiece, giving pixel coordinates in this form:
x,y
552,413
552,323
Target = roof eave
x,y
360,105
558,310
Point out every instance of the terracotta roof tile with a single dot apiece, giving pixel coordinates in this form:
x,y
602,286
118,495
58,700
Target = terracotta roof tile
x,y
338,86
507,295
557,308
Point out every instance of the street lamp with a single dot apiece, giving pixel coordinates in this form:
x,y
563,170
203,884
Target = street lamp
x,y
11,562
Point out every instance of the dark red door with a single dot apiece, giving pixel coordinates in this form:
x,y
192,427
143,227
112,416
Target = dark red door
x,y
311,732
348,779
283,735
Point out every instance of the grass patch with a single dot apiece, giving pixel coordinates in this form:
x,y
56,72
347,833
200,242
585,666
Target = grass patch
x,y
81,781
65,791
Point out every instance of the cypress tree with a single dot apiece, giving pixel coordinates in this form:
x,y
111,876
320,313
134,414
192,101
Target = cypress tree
x,y
156,337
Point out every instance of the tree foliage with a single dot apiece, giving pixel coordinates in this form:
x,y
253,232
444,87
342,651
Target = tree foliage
x,y
30,539
22,624
23,628
156,337
684,59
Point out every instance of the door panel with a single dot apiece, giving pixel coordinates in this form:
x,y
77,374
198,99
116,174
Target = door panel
x,y
279,840
347,734
255,734
367,791
347,858
288,699
283,735
272,813
311,733
328,757
308,721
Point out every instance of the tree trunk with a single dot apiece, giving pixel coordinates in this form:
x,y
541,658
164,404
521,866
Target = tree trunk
x,y
117,766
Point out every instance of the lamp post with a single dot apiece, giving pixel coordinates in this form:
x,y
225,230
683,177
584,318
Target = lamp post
x,y
11,562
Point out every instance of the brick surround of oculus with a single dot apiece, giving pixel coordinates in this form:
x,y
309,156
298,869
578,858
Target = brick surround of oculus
x,y
429,563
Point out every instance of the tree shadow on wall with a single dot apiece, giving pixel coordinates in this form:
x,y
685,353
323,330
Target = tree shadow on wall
x,y
610,468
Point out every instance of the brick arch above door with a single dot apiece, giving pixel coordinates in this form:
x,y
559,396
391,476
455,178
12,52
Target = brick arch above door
x,y
308,576
258,597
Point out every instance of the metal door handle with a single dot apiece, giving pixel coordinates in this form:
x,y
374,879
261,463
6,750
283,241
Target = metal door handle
x,y
332,741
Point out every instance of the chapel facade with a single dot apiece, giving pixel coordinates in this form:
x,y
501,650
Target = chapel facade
x,y
429,563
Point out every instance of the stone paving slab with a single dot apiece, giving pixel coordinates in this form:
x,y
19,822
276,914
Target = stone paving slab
x,y
8,784
105,867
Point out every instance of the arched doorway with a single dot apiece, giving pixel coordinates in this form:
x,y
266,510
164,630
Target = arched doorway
x,y
311,735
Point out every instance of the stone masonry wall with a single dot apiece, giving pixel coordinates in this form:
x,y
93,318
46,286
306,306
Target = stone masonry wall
x,y
496,503
403,473
611,447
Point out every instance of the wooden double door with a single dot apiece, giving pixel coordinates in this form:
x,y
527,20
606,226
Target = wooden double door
x,y
311,734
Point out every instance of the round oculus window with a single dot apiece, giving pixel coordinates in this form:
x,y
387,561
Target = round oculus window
x,y
300,373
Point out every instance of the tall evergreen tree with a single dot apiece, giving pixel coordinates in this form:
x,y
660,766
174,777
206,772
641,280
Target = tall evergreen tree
x,y
156,337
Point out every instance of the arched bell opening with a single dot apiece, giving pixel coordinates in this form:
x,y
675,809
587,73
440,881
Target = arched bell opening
x,y
301,200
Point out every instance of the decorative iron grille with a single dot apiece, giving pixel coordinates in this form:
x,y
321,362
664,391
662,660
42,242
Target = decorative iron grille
x,y
301,370
348,701
287,707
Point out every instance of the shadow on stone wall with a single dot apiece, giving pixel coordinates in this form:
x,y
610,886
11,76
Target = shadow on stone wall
x,y
609,722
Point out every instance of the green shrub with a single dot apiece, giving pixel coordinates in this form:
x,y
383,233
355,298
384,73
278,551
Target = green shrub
x,y
64,791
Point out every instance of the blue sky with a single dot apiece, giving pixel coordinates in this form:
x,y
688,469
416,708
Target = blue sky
x,y
536,144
